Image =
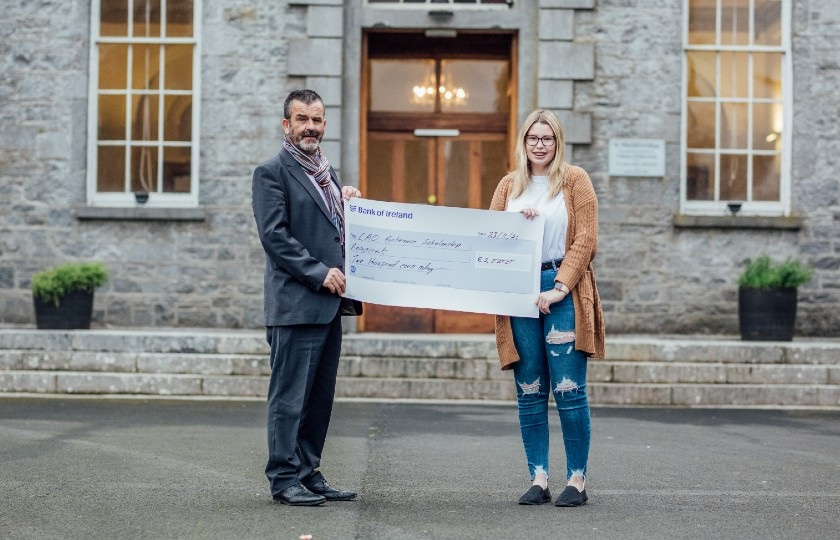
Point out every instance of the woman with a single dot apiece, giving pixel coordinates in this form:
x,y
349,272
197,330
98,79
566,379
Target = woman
x,y
549,353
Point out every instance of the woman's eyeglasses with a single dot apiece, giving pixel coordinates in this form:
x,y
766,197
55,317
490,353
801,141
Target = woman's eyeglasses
x,y
532,140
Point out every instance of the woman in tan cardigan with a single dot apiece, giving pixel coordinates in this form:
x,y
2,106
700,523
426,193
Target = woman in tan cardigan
x,y
549,353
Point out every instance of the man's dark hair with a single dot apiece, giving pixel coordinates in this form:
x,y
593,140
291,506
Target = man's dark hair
x,y
305,96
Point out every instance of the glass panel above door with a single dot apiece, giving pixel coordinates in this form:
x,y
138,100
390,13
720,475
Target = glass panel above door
x,y
440,86
474,86
402,85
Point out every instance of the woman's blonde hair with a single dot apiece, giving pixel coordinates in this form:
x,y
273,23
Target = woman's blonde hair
x,y
556,170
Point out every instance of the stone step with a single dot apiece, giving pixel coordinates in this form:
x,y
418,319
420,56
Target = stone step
x,y
416,368
658,394
712,349
717,395
641,370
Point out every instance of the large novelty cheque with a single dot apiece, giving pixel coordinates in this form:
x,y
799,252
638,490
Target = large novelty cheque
x,y
462,259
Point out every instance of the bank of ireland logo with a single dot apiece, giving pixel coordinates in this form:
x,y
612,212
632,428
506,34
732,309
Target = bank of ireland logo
x,y
352,268
352,207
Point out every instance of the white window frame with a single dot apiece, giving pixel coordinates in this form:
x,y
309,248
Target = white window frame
x,y
754,208
126,198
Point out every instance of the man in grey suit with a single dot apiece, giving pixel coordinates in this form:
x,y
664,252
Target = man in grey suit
x,y
297,202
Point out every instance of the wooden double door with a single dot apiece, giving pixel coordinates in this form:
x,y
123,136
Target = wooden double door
x,y
437,130
458,170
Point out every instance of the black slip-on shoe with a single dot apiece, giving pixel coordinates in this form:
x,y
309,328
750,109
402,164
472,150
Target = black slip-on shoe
x,y
298,495
330,493
535,495
571,497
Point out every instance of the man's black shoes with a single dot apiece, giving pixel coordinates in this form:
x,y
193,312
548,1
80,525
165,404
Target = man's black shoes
x,y
298,495
322,488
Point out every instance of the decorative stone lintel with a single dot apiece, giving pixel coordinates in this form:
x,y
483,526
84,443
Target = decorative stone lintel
x,y
568,4
790,223
91,213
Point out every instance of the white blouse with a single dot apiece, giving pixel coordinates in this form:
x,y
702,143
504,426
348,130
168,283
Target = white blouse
x,y
552,209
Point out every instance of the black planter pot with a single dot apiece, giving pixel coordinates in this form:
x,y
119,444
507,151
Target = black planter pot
x,y
767,315
73,313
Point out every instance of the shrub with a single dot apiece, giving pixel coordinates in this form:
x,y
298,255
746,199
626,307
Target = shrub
x,y
57,282
761,273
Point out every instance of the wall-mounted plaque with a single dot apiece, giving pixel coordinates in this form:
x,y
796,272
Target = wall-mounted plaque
x,y
637,157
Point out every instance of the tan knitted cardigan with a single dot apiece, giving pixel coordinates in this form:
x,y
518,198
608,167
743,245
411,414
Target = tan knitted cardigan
x,y
575,271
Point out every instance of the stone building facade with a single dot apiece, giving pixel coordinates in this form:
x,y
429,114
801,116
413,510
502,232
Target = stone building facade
x,y
612,69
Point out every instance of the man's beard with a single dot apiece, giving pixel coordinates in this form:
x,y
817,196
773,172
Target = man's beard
x,y
308,147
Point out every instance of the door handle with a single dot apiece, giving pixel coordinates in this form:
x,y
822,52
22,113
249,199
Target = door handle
x,y
437,132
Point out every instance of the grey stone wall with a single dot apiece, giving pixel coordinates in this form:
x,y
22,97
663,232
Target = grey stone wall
x,y
43,106
163,273
654,277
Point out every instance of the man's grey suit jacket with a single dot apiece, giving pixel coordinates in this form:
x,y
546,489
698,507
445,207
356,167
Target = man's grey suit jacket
x,y
300,241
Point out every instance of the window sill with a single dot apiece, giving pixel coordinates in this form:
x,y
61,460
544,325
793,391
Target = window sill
x,y
99,213
786,223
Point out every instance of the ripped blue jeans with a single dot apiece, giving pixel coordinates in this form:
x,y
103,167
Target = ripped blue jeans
x,y
549,363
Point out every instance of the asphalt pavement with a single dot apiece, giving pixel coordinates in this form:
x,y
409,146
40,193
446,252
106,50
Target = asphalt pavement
x,y
130,468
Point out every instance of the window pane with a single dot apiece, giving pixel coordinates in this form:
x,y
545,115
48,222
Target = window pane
x,y
177,122
767,75
474,86
767,175
701,125
767,126
733,125
144,160
700,177
110,168
146,72
178,74
179,18
733,177
113,18
402,85
144,118
734,74
134,107
112,71
111,119
146,18
176,169
768,22
702,80
735,22
701,22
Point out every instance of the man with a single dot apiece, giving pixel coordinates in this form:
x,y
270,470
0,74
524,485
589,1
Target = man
x,y
297,202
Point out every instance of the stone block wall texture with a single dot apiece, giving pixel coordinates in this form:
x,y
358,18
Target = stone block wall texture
x,y
163,273
653,277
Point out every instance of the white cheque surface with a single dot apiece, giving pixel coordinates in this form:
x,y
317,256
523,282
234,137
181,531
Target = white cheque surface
x,y
462,259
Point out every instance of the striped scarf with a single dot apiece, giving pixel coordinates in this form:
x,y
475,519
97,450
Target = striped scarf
x,y
318,167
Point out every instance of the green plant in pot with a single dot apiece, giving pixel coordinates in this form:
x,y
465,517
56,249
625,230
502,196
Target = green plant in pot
x,y
63,294
767,295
